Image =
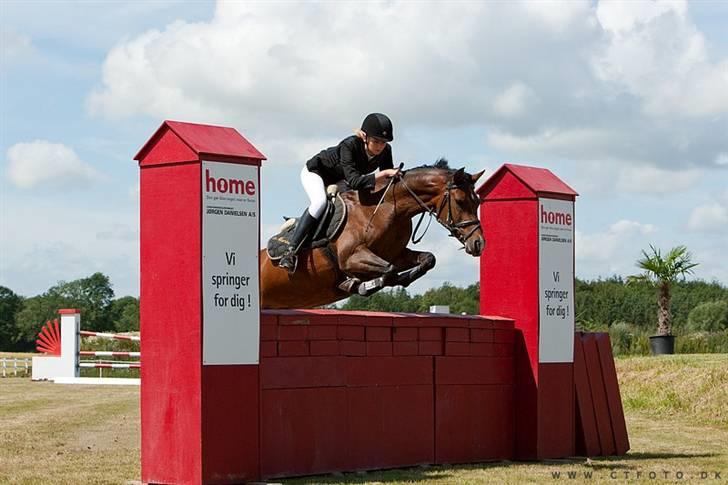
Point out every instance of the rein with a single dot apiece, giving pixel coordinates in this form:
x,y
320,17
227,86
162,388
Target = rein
x,y
391,180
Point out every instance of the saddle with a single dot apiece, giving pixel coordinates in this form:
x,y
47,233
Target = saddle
x,y
333,220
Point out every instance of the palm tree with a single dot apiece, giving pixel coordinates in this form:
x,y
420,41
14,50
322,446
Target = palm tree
x,y
663,273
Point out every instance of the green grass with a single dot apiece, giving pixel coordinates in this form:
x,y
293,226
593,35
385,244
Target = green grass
x,y
676,409
693,387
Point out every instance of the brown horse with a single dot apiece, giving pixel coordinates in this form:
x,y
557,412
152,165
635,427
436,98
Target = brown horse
x,y
371,251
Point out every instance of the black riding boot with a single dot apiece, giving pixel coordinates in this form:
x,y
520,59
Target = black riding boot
x,y
304,226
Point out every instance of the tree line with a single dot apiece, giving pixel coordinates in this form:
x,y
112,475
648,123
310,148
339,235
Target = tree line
x,y
21,318
603,304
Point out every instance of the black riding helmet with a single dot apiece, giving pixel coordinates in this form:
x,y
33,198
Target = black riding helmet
x,y
378,125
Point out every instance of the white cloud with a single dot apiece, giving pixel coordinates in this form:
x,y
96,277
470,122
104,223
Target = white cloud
x,y
550,141
722,159
622,17
653,180
14,46
709,218
609,81
712,262
42,163
557,14
62,244
514,101
611,245
135,192
658,54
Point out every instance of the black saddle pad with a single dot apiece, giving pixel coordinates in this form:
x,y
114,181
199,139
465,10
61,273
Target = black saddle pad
x,y
329,227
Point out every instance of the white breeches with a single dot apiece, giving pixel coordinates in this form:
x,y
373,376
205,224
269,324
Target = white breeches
x,y
314,187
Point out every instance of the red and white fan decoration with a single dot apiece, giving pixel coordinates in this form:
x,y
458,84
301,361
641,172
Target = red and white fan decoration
x,y
49,339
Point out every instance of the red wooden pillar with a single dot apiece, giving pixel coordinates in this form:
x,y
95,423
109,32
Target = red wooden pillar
x,y
199,305
527,273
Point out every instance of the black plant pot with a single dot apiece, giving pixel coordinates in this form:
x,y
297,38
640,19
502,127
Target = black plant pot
x,y
662,344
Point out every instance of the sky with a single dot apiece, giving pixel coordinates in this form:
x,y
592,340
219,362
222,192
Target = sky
x,y
627,102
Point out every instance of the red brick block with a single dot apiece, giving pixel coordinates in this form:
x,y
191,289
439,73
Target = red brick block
x,y
404,333
503,350
378,319
481,334
322,332
390,426
473,370
429,348
324,347
294,319
482,349
269,332
268,349
457,335
351,319
436,320
350,332
379,334
457,348
503,336
352,347
292,421
379,348
388,371
473,423
305,317
268,318
430,334
292,332
299,372
405,348
406,320
503,324
292,348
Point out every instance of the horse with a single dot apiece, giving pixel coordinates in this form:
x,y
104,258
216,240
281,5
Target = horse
x,y
371,251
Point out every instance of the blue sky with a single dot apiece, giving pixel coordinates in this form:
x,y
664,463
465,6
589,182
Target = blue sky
x,y
625,101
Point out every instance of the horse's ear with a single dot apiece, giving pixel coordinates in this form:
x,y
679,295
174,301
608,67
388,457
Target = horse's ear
x,y
460,177
474,178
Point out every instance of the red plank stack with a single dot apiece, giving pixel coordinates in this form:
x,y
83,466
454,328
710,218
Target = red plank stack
x,y
600,425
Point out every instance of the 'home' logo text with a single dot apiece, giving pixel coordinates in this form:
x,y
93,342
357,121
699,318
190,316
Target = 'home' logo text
x,y
553,217
228,186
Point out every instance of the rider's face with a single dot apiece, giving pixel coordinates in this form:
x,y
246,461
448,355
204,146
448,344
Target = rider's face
x,y
375,146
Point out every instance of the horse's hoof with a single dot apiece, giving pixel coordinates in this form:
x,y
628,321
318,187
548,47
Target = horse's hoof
x,y
350,285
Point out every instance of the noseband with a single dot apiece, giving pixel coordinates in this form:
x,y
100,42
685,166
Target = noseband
x,y
452,227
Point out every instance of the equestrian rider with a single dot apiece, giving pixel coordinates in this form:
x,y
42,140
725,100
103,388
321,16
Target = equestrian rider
x,y
353,160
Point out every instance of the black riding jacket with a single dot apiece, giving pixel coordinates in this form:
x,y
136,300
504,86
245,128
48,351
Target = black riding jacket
x,y
348,161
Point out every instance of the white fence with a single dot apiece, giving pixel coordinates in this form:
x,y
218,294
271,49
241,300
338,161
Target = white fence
x,y
15,366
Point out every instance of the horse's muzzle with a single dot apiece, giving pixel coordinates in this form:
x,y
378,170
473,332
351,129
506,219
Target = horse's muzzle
x,y
475,245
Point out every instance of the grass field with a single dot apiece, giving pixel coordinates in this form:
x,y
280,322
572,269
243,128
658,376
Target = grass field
x,y
676,407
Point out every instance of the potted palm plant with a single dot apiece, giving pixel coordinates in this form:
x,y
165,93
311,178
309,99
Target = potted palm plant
x,y
663,273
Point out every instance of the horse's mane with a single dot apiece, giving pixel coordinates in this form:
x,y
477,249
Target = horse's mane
x,y
440,164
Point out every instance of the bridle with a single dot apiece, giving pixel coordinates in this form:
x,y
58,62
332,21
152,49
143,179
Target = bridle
x,y
452,227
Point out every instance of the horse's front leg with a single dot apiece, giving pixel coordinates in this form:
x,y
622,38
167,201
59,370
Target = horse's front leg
x,y
412,265
366,266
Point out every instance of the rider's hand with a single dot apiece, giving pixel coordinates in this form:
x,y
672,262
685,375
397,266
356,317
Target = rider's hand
x,y
388,173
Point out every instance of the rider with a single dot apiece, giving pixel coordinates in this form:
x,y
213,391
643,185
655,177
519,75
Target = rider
x,y
353,160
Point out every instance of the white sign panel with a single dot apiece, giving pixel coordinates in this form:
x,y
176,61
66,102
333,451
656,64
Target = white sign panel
x,y
230,292
556,280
